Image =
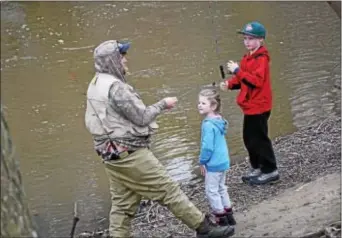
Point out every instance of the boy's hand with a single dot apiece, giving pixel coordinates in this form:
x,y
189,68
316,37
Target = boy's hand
x,y
203,170
232,66
223,86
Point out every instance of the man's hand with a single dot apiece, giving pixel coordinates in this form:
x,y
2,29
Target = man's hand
x,y
171,102
203,170
223,86
232,66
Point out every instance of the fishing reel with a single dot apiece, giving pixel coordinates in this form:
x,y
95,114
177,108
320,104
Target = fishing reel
x,y
223,74
214,84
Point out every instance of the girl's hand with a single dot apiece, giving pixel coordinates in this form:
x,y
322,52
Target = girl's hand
x,y
203,170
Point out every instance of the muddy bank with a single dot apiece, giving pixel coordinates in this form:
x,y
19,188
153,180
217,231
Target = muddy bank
x,y
304,156
309,210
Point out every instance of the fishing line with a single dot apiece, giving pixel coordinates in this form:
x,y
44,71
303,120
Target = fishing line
x,y
215,36
214,30
217,50
211,85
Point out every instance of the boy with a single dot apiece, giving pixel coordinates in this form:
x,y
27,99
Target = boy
x,y
255,100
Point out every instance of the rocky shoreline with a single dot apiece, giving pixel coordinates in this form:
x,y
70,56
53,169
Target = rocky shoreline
x,y
303,156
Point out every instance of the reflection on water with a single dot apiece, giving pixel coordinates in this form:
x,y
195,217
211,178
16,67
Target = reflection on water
x,y
46,64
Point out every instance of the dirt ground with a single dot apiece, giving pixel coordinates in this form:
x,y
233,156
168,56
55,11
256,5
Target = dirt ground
x,y
300,210
307,199
306,210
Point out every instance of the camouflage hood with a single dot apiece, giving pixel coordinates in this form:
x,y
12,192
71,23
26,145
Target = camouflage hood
x,y
107,59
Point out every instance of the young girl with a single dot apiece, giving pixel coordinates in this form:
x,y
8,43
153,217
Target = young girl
x,y
214,156
252,78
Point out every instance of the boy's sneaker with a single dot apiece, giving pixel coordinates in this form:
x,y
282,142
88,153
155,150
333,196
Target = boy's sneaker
x,y
208,229
252,174
265,178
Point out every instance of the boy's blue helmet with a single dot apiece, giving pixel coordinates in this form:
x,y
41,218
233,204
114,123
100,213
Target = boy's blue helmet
x,y
254,28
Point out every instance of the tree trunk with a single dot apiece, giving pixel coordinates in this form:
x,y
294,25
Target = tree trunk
x,y
16,220
336,6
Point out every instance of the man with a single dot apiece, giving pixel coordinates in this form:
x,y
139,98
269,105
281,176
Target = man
x,y
122,126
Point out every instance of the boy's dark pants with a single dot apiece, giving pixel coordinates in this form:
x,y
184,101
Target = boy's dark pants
x,y
257,142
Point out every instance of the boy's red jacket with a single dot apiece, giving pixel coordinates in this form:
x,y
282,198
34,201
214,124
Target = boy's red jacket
x,y
253,80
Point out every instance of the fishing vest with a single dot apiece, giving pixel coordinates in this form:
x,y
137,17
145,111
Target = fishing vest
x,y
97,103
102,119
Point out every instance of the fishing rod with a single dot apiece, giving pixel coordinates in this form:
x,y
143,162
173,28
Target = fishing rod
x,y
221,68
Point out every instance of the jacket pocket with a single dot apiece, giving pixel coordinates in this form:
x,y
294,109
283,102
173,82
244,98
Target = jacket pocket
x,y
249,94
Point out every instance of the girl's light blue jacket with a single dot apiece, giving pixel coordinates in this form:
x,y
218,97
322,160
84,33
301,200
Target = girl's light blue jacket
x,y
214,150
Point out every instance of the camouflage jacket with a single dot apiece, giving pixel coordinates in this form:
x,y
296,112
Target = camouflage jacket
x,y
116,110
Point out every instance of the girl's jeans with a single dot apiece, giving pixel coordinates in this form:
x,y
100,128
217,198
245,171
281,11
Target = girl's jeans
x,y
216,191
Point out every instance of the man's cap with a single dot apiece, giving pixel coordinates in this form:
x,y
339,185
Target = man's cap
x,y
255,29
110,46
123,46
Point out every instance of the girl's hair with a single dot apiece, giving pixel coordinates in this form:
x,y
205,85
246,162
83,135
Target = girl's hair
x,y
213,97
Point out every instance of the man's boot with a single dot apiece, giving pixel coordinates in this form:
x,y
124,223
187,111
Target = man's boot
x,y
221,219
207,229
230,218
